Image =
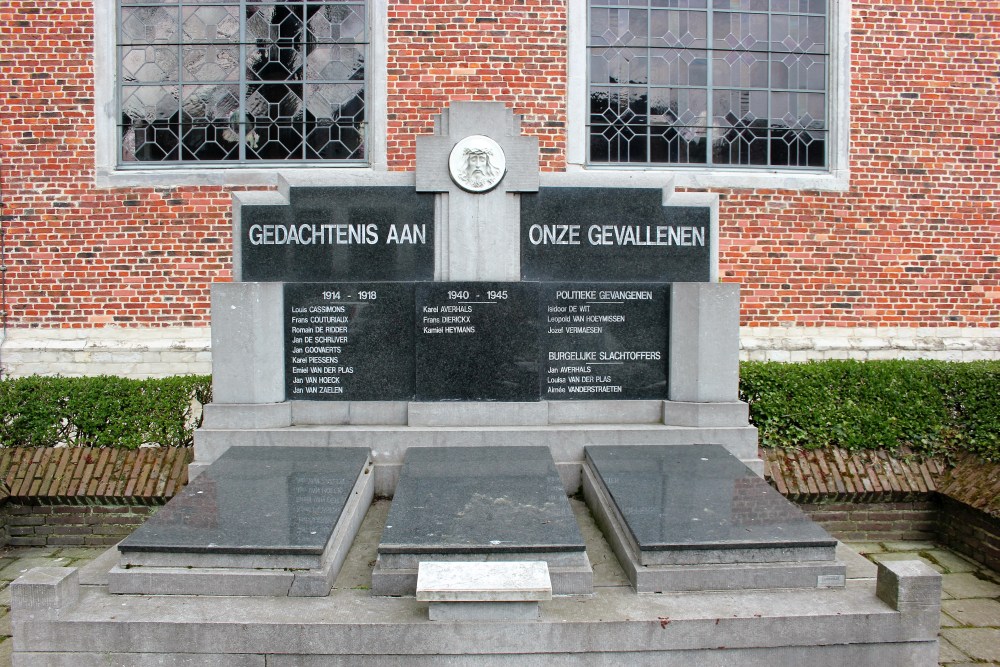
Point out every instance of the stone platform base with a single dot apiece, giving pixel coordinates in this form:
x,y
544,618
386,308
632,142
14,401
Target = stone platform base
x,y
65,617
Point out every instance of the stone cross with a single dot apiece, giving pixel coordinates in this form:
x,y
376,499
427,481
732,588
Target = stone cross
x,y
478,221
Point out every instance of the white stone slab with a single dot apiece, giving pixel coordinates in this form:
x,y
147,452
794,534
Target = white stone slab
x,y
463,581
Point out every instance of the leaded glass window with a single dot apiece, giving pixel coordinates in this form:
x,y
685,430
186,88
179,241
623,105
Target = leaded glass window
x,y
734,83
247,81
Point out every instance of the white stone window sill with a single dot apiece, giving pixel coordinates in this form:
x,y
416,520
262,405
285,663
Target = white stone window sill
x,y
617,176
305,176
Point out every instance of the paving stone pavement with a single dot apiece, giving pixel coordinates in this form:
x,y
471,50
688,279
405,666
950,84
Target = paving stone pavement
x,y
15,561
970,599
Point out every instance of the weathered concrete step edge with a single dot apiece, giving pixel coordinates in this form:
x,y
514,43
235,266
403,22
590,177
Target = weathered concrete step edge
x,y
352,622
912,654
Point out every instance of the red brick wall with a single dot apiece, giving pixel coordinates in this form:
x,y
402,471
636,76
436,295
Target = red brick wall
x,y
39,525
512,52
914,242
877,521
80,256
970,531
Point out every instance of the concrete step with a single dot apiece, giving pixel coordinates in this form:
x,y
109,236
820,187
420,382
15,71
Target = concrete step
x,y
61,623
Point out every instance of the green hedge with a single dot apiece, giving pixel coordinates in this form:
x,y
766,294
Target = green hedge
x,y
932,407
104,411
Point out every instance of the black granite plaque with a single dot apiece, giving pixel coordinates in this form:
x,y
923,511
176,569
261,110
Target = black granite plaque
x,y
477,341
613,234
479,500
349,233
349,341
266,500
604,340
699,497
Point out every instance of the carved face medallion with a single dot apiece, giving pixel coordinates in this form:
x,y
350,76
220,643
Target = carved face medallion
x,y
477,164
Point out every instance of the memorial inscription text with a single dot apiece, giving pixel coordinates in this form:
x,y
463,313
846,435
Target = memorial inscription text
x,y
503,341
347,341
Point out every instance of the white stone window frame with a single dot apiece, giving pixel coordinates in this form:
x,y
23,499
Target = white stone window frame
x,y
108,174
836,177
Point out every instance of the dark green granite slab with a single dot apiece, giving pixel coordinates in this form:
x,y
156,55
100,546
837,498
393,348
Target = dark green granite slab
x,y
613,234
349,341
476,341
699,497
480,500
340,234
256,500
604,340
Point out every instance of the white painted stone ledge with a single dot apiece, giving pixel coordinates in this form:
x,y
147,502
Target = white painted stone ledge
x,y
794,344
129,352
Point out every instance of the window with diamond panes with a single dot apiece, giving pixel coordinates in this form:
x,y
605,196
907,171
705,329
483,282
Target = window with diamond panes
x,y
735,83
241,82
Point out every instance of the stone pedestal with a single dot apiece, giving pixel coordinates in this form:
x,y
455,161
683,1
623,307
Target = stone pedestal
x,y
248,339
483,591
478,228
704,342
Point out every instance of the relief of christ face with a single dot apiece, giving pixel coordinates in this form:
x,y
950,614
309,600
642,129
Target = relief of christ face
x,y
477,164
478,169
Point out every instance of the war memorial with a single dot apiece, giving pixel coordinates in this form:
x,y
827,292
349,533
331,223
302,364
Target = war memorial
x,y
485,351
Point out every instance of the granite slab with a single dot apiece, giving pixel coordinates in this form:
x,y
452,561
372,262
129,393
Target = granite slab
x,y
477,341
349,341
613,234
256,500
485,500
604,340
701,498
341,233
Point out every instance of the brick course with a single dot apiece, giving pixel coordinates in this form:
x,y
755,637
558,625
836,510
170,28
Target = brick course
x,y
70,480
874,496
877,521
84,496
102,525
912,243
